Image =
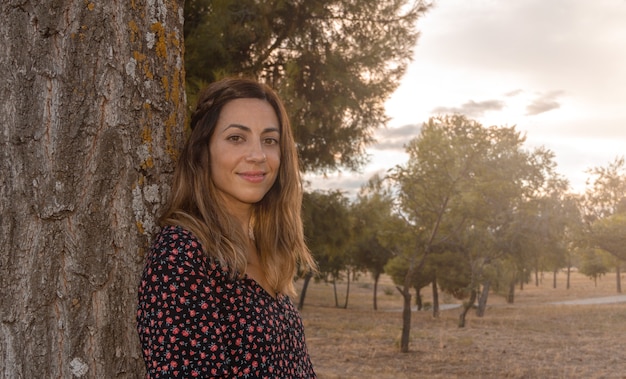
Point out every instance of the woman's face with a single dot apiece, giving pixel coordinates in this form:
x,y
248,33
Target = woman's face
x,y
245,152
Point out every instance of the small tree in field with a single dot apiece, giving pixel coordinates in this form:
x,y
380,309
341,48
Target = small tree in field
x,y
605,201
327,229
373,225
459,189
594,264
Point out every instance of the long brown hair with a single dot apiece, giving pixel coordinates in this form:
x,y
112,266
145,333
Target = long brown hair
x,y
276,219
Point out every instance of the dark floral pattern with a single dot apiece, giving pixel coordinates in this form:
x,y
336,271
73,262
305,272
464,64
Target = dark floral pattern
x,y
194,321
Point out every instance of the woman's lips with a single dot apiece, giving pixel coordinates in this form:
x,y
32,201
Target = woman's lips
x,y
253,176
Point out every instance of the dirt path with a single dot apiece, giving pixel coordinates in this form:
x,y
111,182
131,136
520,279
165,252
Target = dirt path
x,y
595,300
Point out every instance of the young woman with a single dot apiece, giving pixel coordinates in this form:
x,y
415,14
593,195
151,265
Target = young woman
x,y
214,296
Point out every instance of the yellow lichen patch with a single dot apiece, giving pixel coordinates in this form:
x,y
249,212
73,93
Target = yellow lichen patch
x,y
142,59
175,88
166,87
161,46
148,163
146,135
134,30
139,57
170,126
140,181
140,227
147,71
174,40
91,6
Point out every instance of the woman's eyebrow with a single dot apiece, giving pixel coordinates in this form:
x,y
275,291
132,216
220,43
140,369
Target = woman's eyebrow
x,y
247,129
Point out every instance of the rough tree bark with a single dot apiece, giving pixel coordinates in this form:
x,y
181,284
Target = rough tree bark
x,y
91,118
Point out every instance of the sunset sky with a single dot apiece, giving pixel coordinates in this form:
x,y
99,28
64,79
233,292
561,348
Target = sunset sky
x,y
556,69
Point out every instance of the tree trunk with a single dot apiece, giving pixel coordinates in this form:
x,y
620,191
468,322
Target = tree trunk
x,y
335,292
92,115
418,299
376,278
482,300
345,304
569,275
406,319
554,273
466,307
510,296
305,286
536,278
618,277
406,308
435,299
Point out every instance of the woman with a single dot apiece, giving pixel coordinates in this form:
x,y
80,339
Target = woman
x,y
214,296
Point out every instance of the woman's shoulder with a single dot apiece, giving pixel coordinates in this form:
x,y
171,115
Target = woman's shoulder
x,y
173,242
174,233
179,246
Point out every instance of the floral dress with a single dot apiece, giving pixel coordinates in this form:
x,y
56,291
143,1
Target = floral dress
x,y
194,320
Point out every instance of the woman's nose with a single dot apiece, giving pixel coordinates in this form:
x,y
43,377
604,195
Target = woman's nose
x,y
256,153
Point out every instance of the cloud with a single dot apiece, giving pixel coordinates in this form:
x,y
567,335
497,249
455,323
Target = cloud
x,y
472,108
544,103
396,138
514,93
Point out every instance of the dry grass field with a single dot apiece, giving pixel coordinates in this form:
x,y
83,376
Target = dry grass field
x,y
532,338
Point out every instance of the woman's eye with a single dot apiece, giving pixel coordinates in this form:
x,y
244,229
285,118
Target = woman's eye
x,y
271,141
235,138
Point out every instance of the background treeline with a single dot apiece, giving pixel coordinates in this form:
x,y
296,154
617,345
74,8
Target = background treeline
x,y
471,211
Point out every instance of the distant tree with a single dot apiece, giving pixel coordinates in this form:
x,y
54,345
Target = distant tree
x,y
459,189
93,109
594,264
609,233
327,227
573,232
374,225
334,62
605,217
397,268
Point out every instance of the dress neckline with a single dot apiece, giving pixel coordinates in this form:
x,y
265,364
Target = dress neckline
x,y
254,284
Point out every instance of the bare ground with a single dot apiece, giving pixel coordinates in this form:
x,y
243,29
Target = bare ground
x,y
532,338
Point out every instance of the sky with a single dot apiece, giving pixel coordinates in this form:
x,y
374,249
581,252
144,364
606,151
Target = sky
x,y
554,69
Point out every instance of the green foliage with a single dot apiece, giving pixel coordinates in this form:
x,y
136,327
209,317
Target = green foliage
x,y
397,268
594,264
334,62
327,228
609,234
606,193
375,227
467,190
605,204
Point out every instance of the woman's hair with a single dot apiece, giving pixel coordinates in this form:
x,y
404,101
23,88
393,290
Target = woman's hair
x,y
194,203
